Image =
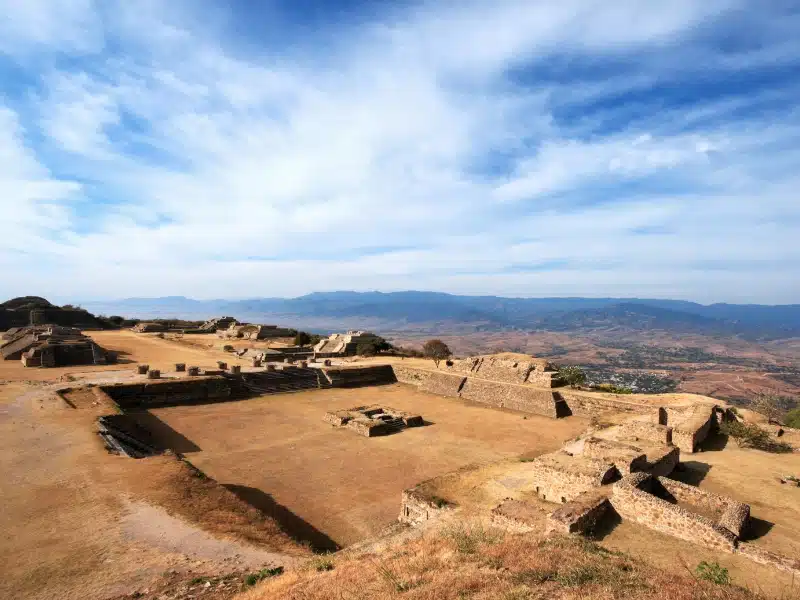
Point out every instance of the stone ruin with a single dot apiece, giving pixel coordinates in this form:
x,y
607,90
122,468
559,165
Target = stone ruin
x,y
343,344
149,327
249,331
216,324
371,421
52,346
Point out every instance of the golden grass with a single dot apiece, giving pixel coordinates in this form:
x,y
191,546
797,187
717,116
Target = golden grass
x,y
470,561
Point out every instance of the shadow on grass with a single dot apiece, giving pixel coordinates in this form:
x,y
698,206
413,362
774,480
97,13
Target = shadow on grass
x,y
296,527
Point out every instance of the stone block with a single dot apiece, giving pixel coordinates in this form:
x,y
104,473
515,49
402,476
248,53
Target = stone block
x,y
193,371
222,365
180,367
154,374
142,369
236,369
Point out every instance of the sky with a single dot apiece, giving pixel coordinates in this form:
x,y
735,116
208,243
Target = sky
x,y
513,147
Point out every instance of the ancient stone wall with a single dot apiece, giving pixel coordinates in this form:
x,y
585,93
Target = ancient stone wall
x,y
663,461
628,459
631,500
591,405
561,478
197,390
693,427
515,397
581,515
494,393
765,557
733,515
536,372
360,376
416,509
651,432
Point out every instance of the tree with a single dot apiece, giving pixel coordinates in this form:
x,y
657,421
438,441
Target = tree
x,y
367,349
302,339
770,406
572,375
436,350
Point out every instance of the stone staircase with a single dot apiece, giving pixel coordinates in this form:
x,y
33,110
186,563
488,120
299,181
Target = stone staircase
x,y
278,382
14,349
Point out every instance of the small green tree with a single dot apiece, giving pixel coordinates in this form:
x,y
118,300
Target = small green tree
x,y
792,418
572,375
436,350
746,435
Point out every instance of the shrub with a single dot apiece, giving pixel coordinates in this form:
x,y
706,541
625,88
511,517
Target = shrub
x,y
323,563
254,578
713,572
572,375
749,435
792,418
367,349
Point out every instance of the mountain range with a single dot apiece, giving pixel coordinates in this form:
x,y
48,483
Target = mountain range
x,y
434,311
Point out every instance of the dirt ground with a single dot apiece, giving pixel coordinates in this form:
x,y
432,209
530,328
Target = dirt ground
x,y
80,523
341,487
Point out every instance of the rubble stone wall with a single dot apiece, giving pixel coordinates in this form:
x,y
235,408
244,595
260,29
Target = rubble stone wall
x,y
581,515
562,486
652,432
733,515
416,509
694,427
634,503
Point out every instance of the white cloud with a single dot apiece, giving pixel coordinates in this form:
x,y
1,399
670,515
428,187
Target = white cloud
x,y
209,170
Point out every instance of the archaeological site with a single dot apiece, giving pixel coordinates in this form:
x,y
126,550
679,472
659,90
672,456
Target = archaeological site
x,y
233,453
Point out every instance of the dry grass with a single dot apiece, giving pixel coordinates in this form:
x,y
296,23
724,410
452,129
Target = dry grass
x,y
184,491
476,563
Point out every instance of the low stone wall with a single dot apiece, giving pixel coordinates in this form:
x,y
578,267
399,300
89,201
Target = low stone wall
x,y
591,405
360,376
765,557
416,509
581,515
664,462
515,397
140,396
517,516
523,398
694,427
628,459
651,432
632,502
561,478
733,515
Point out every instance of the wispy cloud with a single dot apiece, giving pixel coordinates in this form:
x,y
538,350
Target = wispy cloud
x,y
515,147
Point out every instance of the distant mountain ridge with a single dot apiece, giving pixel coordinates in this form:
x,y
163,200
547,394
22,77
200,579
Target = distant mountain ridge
x,y
432,310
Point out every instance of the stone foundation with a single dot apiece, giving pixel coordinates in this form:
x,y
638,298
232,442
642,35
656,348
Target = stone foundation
x,y
416,508
628,459
560,477
517,516
581,515
632,500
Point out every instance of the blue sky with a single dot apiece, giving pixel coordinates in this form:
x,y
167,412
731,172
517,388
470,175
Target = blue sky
x,y
512,147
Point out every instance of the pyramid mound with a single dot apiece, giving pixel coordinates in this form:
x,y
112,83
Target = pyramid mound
x,y
35,310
